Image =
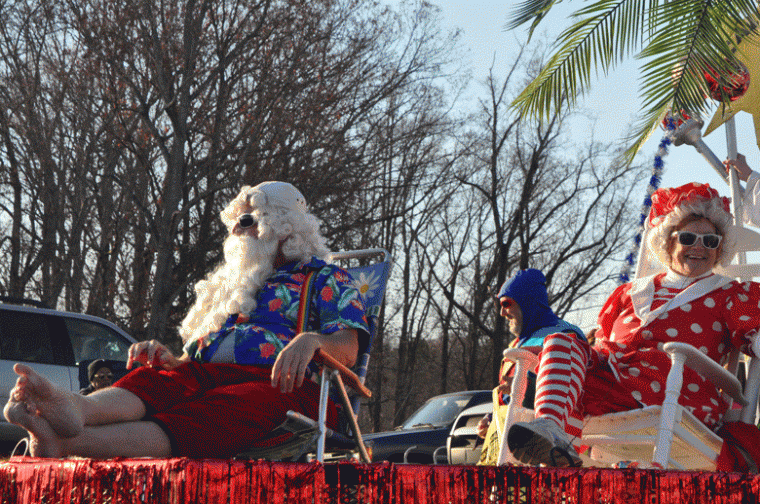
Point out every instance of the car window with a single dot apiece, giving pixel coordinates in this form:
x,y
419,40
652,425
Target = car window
x,y
95,341
438,411
25,337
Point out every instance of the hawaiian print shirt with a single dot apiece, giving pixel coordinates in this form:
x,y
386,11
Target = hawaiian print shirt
x,y
263,333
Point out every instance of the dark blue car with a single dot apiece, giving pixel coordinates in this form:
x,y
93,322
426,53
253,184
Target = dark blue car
x,y
421,439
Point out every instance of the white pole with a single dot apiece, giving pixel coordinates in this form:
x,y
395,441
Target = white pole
x,y
733,182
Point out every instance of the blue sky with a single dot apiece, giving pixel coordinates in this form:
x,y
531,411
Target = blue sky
x,y
613,99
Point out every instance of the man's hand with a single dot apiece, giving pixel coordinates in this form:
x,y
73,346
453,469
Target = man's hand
x,y
153,354
291,363
483,425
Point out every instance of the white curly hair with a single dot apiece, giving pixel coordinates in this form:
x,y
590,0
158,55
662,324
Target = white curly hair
x,y
284,223
711,209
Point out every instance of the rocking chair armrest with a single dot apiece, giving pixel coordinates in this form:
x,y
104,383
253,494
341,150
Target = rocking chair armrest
x,y
349,377
708,368
520,354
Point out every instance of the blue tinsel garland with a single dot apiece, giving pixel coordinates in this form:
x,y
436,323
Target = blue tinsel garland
x,y
654,184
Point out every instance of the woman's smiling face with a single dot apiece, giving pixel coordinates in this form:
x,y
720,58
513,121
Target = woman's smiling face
x,y
694,260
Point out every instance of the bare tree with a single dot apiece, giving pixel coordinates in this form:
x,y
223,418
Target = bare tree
x,y
532,203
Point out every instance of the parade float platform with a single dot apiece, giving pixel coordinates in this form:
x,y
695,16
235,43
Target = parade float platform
x,y
179,480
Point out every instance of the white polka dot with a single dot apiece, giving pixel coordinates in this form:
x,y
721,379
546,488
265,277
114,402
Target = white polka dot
x,y
655,386
647,335
663,316
662,292
696,328
619,355
672,332
654,368
717,327
636,395
693,387
743,298
634,372
622,345
644,363
660,345
744,318
706,408
714,401
703,349
686,307
721,347
710,302
729,305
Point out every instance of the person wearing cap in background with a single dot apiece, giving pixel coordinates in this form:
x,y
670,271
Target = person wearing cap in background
x,y
524,302
99,375
243,365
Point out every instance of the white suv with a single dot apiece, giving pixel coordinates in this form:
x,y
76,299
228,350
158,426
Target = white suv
x,y
56,344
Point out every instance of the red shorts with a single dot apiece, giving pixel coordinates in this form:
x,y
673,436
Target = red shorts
x,y
219,410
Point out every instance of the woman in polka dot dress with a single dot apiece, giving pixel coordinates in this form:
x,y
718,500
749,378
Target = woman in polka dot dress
x,y
691,233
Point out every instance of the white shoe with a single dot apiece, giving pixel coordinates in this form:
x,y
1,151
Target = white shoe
x,y
542,441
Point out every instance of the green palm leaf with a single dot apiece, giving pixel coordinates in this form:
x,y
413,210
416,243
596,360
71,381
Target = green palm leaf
x,y
681,40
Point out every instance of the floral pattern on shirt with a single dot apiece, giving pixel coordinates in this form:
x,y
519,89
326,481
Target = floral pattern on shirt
x,y
263,333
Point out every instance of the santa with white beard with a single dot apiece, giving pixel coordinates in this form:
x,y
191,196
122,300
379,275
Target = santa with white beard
x,y
243,364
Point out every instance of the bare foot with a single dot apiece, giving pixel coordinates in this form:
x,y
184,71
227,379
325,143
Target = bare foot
x,y
58,407
44,441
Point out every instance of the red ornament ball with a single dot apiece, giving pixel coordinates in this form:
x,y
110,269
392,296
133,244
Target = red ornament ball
x,y
738,84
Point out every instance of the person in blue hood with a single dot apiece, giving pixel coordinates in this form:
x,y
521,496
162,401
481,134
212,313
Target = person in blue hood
x,y
524,302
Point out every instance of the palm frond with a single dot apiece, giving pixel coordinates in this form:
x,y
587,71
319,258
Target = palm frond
x,y
606,32
699,40
682,39
530,9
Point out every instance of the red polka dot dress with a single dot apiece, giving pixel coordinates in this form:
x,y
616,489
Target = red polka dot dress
x,y
714,314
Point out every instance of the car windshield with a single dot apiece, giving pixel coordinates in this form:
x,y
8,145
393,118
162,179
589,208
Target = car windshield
x,y
438,411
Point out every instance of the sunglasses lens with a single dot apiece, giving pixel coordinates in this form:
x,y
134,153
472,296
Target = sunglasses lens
x,y
686,238
245,221
506,303
711,241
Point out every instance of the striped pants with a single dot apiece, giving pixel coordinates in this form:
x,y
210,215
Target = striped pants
x,y
561,375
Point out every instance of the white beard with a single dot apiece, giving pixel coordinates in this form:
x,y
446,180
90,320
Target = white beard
x,y
232,287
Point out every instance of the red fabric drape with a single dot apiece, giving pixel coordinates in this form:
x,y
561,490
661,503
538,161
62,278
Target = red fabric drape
x,y
29,480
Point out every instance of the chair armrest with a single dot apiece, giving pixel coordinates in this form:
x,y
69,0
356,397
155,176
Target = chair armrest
x,y
349,377
520,354
708,368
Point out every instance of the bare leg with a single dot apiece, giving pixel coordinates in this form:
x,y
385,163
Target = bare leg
x,y
66,412
126,439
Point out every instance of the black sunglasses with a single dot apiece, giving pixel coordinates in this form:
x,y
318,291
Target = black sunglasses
x,y
709,240
246,220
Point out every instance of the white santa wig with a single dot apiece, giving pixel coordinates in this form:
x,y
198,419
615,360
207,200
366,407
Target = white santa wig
x,y
671,206
284,223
